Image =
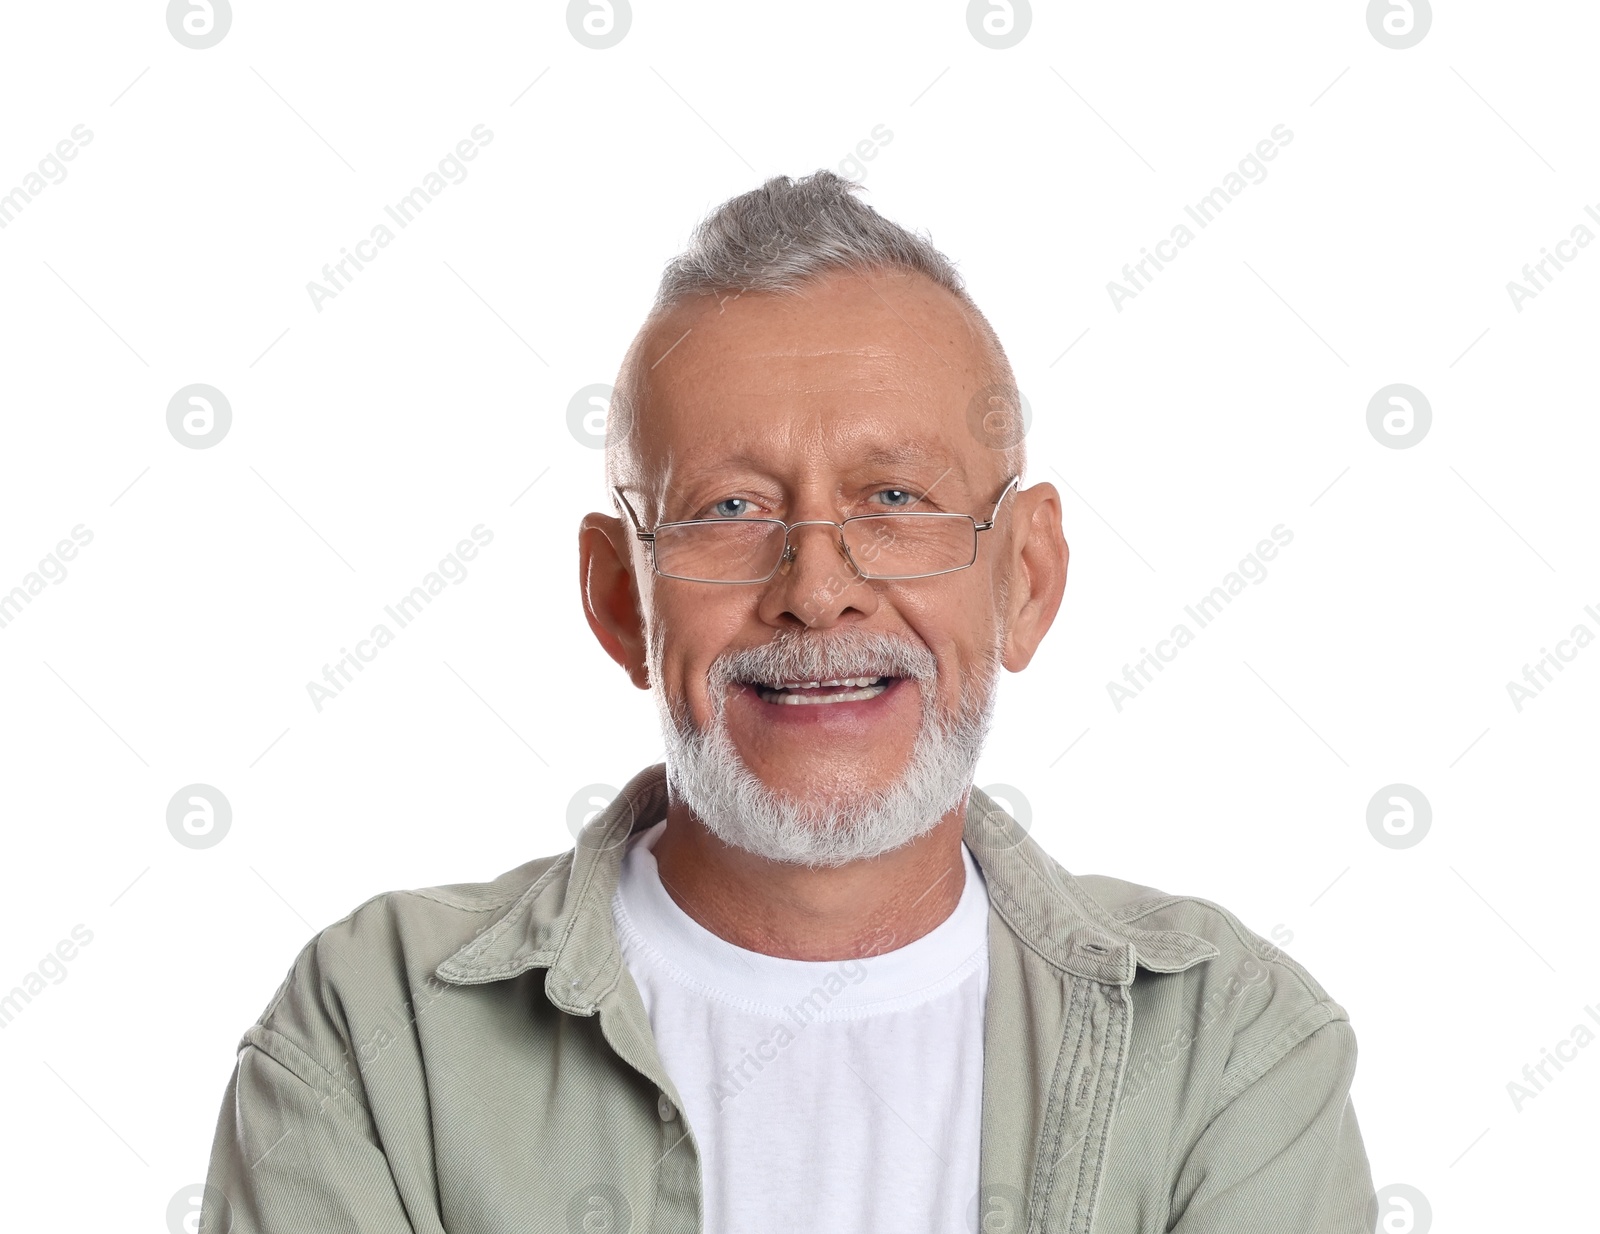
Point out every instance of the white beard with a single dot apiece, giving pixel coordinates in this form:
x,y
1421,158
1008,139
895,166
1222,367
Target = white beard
x,y
707,773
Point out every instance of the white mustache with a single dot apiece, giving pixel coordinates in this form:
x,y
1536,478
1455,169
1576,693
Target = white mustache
x,y
806,658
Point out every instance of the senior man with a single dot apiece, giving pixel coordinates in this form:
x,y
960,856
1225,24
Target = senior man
x,y
803,975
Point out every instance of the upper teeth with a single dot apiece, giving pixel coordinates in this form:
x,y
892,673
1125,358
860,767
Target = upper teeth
x,y
856,683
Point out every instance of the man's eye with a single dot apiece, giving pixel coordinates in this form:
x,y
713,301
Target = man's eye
x,y
739,507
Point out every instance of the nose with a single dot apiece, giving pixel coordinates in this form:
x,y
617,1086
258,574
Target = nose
x,y
813,586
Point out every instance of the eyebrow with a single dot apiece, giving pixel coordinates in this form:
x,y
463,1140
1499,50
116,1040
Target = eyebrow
x,y
910,452
879,455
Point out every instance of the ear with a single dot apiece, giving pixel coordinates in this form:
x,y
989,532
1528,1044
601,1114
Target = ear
x,y
610,599
1038,564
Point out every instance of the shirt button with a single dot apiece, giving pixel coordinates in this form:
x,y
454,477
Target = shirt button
x,y
664,1108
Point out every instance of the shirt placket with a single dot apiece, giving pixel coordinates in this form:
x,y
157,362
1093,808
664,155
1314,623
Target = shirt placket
x,y
1083,1096
1057,1035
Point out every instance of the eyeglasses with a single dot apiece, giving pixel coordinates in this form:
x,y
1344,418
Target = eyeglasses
x,y
750,550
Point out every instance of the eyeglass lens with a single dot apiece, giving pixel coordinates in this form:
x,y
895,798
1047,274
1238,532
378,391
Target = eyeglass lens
x,y
883,546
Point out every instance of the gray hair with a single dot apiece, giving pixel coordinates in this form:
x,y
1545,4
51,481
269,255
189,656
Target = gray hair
x,y
779,238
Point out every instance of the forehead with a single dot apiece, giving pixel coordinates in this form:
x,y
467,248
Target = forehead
x,y
858,369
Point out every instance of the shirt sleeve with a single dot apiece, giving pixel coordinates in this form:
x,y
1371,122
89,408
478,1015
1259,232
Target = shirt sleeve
x,y
295,1151
1284,1151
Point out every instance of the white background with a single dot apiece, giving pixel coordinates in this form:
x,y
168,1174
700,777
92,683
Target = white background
x,y
431,395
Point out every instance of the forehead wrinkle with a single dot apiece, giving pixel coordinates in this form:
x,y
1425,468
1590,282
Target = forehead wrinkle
x,y
702,337
766,376
846,451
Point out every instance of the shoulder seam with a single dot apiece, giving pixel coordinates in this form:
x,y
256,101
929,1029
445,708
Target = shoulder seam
x,y
300,1063
288,978
1305,1025
1141,908
426,893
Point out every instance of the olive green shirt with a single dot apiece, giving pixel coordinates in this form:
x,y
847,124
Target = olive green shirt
x,y
476,1059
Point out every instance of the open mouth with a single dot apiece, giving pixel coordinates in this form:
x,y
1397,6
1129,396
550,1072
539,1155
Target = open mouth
x,y
821,693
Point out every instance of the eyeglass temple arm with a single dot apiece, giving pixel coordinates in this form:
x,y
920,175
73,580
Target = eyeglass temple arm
x,y
646,536
995,513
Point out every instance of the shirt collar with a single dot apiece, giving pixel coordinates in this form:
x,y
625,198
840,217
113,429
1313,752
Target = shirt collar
x,y
563,922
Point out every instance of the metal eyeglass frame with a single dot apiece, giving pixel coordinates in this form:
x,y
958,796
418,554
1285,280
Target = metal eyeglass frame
x,y
649,537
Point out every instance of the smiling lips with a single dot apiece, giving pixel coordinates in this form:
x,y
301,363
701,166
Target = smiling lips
x,y
803,693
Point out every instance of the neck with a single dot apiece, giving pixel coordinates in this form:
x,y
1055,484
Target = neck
x,y
847,912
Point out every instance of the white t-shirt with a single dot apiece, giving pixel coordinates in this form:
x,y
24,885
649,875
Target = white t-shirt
x,y
838,1095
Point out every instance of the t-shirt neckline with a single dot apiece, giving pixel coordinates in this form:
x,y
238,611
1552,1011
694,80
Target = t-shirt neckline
x,y
648,917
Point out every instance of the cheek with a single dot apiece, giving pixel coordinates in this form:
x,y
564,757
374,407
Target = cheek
x,y
947,621
690,631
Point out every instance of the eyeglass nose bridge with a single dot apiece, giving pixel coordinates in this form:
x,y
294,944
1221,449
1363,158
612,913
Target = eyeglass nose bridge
x,y
788,543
